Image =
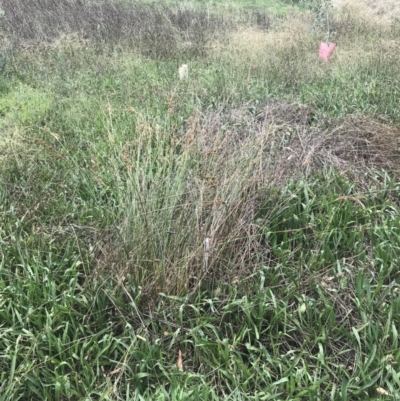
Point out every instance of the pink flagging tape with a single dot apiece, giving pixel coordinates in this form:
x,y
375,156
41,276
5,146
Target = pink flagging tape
x,y
326,50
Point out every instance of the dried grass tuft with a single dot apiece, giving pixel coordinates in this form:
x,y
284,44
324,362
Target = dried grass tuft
x,y
292,144
378,10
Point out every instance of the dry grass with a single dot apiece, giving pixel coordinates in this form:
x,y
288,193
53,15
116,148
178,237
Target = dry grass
x,y
286,56
260,45
371,9
289,143
157,30
295,40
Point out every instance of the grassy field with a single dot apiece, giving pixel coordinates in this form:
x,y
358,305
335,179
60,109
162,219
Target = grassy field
x,y
231,236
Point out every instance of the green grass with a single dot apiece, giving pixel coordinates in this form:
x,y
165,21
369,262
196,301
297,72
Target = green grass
x,y
317,321
113,173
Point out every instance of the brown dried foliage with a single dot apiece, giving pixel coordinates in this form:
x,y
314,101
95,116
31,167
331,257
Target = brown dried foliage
x,y
155,29
247,152
293,143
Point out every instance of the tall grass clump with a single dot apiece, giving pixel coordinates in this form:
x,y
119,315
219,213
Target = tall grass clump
x,y
233,235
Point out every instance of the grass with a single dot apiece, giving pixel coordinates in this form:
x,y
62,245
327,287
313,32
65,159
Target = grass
x,y
247,217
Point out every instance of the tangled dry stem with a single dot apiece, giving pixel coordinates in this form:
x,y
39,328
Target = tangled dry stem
x,y
244,151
